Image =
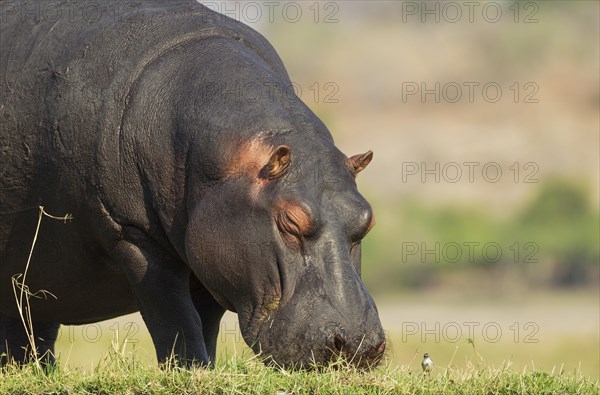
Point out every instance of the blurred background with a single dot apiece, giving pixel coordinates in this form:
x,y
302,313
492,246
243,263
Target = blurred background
x,y
484,121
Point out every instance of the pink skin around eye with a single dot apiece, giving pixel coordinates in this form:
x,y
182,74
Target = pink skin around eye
x,y
292,219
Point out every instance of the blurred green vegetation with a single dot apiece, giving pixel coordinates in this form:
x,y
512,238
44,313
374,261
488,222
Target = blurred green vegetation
x,y
551,241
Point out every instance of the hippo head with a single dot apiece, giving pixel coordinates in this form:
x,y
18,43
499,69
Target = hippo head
x,y
280,244
275,229
278,241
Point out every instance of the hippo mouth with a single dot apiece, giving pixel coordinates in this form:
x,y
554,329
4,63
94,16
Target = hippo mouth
x,y
314,348
308,329
307,342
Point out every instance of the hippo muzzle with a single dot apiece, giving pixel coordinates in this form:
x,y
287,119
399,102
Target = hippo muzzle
x,y
313,329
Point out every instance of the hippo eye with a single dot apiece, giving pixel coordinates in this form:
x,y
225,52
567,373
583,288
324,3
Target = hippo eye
x,y
289,223
294,221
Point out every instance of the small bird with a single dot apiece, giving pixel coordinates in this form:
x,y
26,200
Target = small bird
x,y
427,363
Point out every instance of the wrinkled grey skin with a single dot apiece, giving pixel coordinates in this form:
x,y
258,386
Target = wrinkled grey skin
x,y
172,136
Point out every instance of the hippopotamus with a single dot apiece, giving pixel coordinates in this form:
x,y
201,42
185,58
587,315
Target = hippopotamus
x,y
196,179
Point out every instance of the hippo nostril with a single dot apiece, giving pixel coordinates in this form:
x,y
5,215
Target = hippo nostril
x,y
381,348
339,342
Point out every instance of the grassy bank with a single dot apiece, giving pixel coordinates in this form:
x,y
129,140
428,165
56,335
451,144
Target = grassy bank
x,y
125,376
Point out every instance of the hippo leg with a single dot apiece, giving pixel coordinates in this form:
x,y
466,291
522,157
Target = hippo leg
x,y
161,285
15,345
211,313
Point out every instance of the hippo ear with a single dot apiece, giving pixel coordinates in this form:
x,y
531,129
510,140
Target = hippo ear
x,y
278,163
360,161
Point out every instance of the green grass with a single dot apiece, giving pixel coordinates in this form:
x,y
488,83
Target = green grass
x,y
559,362
118,375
